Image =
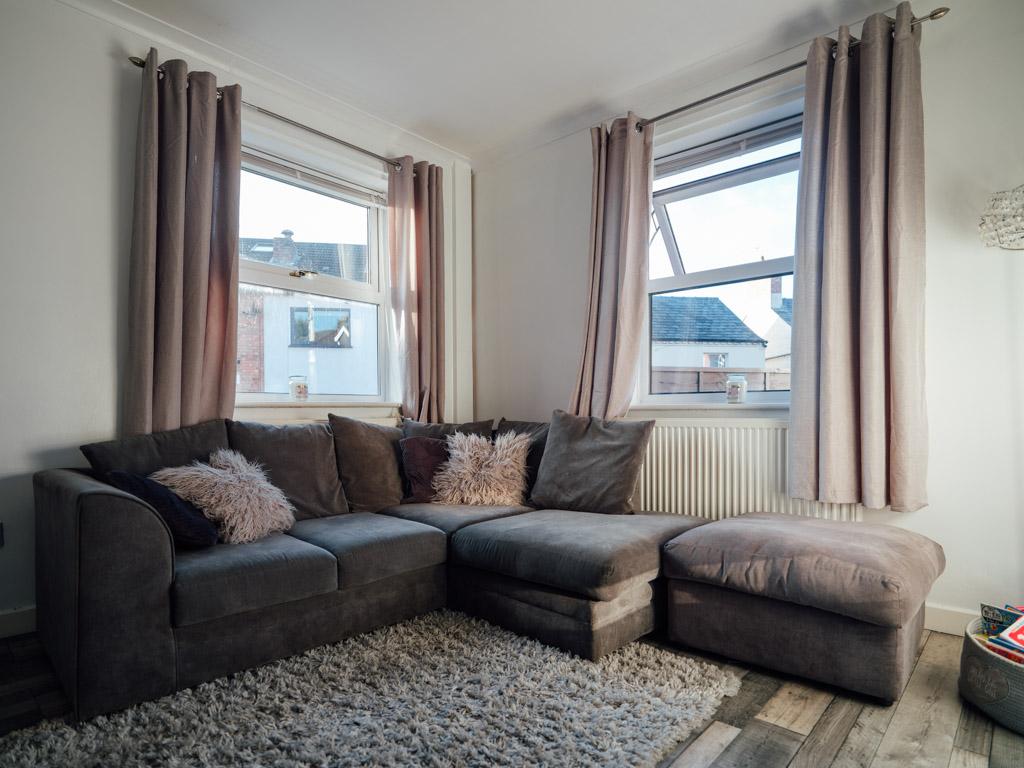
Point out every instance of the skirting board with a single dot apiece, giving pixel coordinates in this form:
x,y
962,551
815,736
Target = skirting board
x,y
937,618
19,621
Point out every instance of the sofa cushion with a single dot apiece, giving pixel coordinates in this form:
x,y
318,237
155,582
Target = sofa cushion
x,y
421,458
875,573
189,527
368,463
144,454
451,517
232,578
371,547
591,465
537,431
585,553
297,458
412,428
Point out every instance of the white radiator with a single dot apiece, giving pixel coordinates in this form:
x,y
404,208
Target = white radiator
x,y
721,468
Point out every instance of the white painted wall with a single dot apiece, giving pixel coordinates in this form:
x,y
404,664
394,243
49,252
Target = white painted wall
x,y
531,229
70,106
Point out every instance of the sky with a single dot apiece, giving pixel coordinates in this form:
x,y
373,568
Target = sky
x,y
268,206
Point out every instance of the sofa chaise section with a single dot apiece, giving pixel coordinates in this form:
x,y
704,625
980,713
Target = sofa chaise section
x,y
581,581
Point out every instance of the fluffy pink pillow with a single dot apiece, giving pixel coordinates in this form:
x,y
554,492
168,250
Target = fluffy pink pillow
x,y
234,493
481,472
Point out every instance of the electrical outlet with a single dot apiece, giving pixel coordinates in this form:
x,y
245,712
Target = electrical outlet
x,y
1,534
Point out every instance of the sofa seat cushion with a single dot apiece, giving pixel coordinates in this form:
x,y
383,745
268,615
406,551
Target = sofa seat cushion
x,y
585,553
369,547
875,573
451,517
231,578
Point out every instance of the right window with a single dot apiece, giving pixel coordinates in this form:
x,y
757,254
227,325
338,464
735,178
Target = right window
x,y
720,286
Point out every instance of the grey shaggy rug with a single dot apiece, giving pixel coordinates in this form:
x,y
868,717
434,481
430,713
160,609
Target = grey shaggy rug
x,y
440,690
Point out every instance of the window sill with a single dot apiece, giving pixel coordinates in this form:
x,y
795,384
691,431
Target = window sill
x,y
281,409
661,411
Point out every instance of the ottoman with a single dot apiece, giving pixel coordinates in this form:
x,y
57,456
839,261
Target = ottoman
x,y
841,603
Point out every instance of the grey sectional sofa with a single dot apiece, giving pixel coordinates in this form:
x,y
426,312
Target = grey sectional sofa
x,y
125,617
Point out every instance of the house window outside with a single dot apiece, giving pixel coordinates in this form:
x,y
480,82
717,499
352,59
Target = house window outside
x,y
720,286
310,300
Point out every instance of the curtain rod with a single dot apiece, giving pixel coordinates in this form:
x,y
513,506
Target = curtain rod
x,y
938,13
138,62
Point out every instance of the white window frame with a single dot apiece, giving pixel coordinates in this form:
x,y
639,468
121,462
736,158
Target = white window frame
x,y
704,154
372,292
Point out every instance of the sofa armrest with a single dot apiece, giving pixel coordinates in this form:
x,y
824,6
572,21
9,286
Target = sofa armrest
x,y
104,567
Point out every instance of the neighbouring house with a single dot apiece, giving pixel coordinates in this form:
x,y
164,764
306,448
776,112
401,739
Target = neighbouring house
x,y
777,353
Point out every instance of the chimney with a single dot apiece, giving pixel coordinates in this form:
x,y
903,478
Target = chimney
x,y
284,253
776,292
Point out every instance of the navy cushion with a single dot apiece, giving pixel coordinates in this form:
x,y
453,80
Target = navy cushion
x,y
190,528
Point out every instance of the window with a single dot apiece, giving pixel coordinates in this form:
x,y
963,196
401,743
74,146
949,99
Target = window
x,y
331,327
721,263
310,301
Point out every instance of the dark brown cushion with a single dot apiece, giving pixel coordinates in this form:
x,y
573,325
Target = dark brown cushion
x,y
591,465
297,458
412,428
145,454
368,462
875,573
421,458
538,433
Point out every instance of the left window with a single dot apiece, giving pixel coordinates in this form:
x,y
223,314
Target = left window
x,y
310,298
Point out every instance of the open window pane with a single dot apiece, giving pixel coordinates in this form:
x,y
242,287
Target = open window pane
x,y
700,336
742,160
296,228
332,342
738,225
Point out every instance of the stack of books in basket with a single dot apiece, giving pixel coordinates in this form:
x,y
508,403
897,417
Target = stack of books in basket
x,y
1002,631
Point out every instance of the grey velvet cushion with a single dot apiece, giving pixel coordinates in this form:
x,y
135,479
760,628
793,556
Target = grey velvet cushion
x,y
144,454
591,465
538,434
875,573
297,458
233,578
451,517
371,547
368,463
411,428
581,552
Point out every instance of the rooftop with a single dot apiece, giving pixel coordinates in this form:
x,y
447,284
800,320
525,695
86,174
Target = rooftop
x,y
698,319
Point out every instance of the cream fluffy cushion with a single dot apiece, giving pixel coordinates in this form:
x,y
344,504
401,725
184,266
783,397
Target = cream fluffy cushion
x,y
234,493
481,472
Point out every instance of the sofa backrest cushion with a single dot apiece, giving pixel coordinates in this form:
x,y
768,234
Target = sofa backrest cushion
x,y
537,431
411,428
297,458
144,454
189,527
591,465
368,458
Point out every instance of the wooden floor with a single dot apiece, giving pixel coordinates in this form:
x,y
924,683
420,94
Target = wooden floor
x,y
773,722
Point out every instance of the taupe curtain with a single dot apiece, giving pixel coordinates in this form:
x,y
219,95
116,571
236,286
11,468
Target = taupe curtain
x,y
858,423
619,238
184,260
416,252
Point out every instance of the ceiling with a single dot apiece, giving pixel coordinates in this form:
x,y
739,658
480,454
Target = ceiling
x,y
477,75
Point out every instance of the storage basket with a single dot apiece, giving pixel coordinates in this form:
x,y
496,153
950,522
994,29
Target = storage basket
x,y
993,684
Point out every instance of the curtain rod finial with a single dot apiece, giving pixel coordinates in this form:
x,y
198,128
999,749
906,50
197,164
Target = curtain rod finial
x,y
137,61
938,13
